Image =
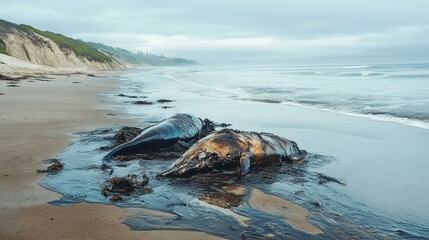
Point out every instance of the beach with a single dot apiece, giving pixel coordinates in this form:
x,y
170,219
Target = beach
x,y
380,161
36,121
378,194
214,120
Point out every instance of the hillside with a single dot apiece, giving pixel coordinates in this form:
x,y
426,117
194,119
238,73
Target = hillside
x,y
52,49
45,48
141,58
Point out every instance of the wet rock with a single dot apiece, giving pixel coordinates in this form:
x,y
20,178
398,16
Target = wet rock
x,y
125,185
164,101
143,102
91,75
104,167
1,93
129,96
55,166
12,85
167,107
77,82
42,79
116,198
126,134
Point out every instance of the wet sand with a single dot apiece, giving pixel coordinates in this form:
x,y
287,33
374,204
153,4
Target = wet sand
x,y
382,163
36,120
30,111
292,213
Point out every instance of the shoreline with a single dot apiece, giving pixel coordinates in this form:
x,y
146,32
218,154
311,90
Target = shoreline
x,y
382,163
37,120
50,111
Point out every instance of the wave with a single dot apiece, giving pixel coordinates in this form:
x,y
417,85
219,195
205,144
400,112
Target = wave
x,y
418,122
408,76
219,88
265,100
354,67
257,69
360,74
294,96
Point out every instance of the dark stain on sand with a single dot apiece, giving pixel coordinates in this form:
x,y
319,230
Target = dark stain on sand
x,y
276,202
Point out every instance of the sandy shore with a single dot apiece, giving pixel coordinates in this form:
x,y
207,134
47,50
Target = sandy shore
x,y
11,67
36,121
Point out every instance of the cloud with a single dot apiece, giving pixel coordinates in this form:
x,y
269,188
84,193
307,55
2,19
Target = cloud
x,y
239,30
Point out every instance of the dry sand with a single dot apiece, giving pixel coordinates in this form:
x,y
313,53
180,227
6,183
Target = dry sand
x,y
36,120
14,67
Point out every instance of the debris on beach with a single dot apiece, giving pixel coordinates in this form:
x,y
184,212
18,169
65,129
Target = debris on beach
x,y
91,75
124,185
164,101
143,102
9,78
12,85
130,96
123,135
325,179
126,134
166,107
116,198
42,79
55,166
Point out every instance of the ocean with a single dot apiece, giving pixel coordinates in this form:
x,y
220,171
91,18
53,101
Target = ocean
x,y
367,126
389,92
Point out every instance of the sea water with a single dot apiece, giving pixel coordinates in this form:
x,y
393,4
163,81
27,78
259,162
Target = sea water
x,y
396,93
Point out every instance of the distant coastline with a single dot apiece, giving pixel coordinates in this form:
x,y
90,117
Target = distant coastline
x,y
52,50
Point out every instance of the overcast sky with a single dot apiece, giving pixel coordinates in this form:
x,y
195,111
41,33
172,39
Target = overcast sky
x,y
242,32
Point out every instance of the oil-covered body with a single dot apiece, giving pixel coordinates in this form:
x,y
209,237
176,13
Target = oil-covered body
x,y
230,149
183,127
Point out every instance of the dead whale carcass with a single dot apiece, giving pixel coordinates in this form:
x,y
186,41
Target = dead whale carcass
x,y
229,149
180,127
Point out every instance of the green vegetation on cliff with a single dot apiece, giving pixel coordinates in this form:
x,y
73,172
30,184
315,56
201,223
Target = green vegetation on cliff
x,y
3,47
142,58
92,51
78,47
